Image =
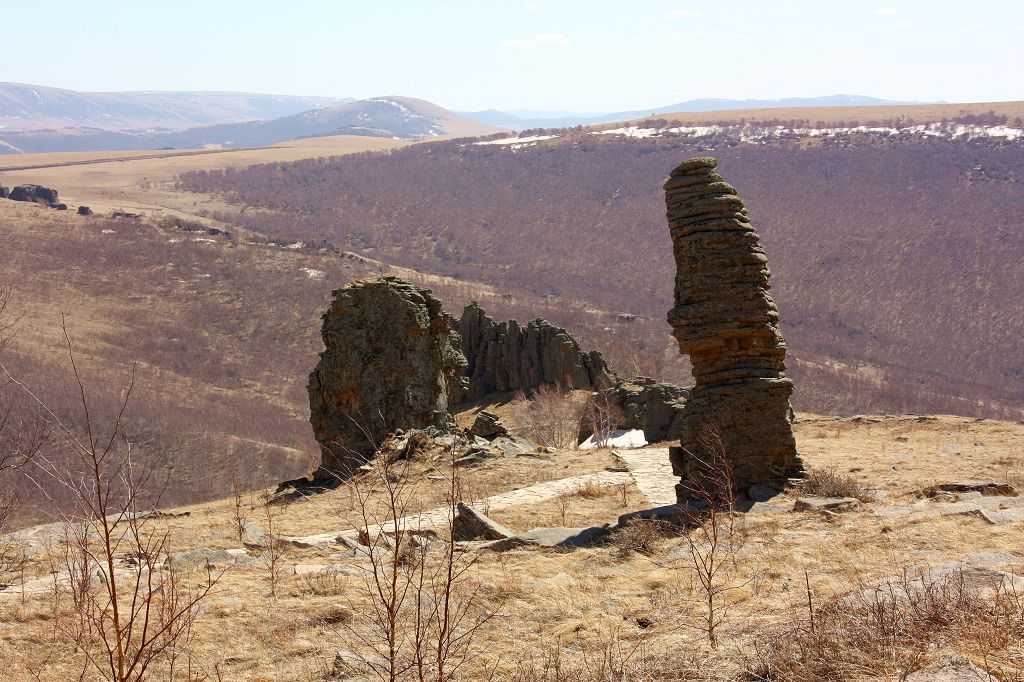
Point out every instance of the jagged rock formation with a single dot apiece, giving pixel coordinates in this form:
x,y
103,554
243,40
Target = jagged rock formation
x,y
507,357
725,320
653,407
35,193
392,361
488,426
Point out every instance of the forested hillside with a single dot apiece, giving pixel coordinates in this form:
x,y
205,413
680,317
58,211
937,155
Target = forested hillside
x,y
897,264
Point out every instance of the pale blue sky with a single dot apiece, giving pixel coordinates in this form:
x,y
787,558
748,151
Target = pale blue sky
x,y
527,54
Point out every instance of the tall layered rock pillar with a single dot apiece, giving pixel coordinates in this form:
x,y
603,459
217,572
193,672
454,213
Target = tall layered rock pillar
x,y
726,321
392,361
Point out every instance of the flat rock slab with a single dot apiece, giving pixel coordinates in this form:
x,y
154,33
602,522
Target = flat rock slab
x,y
473,525
652,472
986,488
438,518
827,504
555,538
213,558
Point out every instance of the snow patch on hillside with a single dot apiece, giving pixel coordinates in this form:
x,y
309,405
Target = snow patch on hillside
x,y
517,142
753,133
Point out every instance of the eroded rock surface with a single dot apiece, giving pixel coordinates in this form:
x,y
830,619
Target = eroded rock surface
x,y
728,324
508,357
653,407
391,362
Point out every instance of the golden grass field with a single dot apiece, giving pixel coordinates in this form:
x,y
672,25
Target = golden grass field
x,y
599,601
143,181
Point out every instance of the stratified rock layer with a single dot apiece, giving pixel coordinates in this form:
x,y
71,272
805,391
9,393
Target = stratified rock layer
x,y
392,361
726,321
507,357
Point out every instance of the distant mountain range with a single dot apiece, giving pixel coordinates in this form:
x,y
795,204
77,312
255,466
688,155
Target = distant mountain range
x,y
522,120
35,107
35,118
397,117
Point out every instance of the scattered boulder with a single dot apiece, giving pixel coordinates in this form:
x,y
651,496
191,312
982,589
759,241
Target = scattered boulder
x,y
253,536
728,324
205,557
984,488
4,192
487,426
508,357
84,210
472,525
653,407
35,194
827,504
125,215
391,361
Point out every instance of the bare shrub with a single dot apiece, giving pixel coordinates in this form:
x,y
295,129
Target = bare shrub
x,y
592,490
891,632
425,609
550,416
831,483
642,536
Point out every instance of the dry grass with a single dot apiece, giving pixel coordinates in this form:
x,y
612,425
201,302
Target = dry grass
x,y
887,635
589,615
643,536
831,483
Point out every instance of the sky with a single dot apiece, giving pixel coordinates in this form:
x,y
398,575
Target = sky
x,y
573,55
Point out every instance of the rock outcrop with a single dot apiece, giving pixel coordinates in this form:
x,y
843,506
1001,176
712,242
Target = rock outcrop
x,y
391,362
37,194
488,426
652,407
508,357
4,192
728,324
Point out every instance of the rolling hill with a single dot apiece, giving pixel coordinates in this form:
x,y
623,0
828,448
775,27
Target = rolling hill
x,y
36,107
896,256
515,120
403,118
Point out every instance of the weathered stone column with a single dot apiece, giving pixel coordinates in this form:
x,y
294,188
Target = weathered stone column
x,y
726,321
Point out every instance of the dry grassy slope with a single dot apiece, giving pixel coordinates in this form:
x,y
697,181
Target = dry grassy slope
x,y
143,180
592,600
915,113
224,334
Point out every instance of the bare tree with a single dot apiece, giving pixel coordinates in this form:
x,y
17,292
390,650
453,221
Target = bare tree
x,y
602,413
425,609
712,542
133,615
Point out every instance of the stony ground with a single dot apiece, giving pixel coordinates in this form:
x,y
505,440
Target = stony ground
x,y
631,601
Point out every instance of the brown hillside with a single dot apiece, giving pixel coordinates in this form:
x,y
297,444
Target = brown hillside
x,y
897,263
